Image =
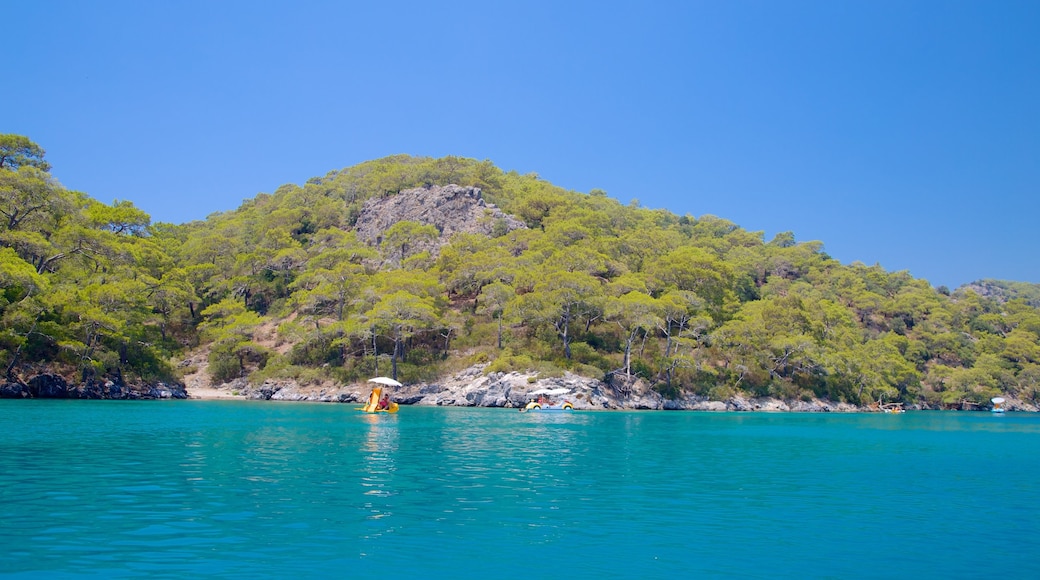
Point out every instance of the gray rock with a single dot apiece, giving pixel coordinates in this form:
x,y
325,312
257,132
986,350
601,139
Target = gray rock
x,y
48,387
451,209
13,391
89,390
116,391
472,388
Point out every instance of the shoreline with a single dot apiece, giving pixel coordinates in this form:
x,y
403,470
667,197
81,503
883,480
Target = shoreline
x,y
468,388
471,387
737,404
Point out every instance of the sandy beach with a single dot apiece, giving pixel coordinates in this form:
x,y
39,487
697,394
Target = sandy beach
x,y
210,393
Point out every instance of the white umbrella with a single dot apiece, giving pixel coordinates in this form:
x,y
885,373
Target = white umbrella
x,y
385,381
551,392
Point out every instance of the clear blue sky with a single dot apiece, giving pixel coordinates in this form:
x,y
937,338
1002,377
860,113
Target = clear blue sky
x,y
896,132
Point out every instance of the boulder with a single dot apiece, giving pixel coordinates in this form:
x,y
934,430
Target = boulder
x,y
13,391
48,386
115,391
88,390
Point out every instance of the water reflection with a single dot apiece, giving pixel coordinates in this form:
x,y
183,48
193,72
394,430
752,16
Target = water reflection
x,y
380,447
381,434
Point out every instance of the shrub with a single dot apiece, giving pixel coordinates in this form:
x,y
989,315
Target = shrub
x,y
421,356
510,363
585,354
548,370
224,365
641,368
479,334
668,391
721,392
229,359
592,372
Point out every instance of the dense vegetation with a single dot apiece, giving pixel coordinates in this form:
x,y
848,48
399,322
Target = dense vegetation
x,y
282,287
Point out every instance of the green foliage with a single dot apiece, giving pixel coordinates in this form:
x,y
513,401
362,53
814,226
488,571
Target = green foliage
x,y
1004,291
18,151
692,304
508,363
224,366
279,369
400,239
230,359
584,354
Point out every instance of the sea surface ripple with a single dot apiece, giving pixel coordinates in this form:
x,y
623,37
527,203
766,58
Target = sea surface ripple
x,y
229,489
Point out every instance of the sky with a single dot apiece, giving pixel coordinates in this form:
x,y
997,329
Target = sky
x,y
897,132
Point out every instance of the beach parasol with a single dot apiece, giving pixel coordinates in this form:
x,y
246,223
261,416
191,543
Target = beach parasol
x,y
385,381
550,392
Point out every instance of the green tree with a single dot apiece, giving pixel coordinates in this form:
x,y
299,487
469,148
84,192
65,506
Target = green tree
x,y
679,308
560,299
773,340
229,326
875,370
400,315
400,239
470,262
18,282
119,218
634,313
18,151
333,277
31,201
169,295
494,299
695,270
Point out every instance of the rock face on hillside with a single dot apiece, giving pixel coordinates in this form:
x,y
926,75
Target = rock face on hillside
x,y
1004,291
449,208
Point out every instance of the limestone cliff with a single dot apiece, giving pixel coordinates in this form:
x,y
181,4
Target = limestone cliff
x,y
450,208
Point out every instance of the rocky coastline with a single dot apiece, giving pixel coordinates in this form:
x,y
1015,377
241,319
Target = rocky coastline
x,y
471,387
53,386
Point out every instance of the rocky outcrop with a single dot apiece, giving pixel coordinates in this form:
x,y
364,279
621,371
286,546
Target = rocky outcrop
x,y
450,208
14,391
48,387
1003,291
52,386
473,388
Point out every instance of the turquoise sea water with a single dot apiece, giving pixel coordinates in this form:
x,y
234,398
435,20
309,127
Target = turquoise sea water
x,y
109,489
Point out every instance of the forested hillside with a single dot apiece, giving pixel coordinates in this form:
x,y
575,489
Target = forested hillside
x,y
283,287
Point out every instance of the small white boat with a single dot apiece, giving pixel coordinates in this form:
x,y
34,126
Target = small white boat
x,y
998,405
545,402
